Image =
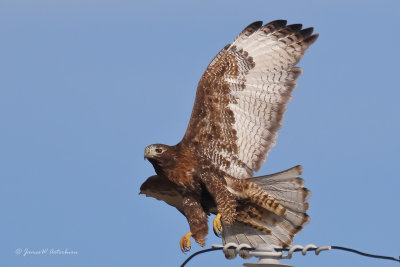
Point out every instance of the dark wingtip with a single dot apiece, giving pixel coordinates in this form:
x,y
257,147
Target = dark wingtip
x,y
294,27
311,39
253,26
142,187
279,22
274,25
256,24
307,32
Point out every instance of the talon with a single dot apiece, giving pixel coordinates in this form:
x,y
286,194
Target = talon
x,y
184,243
217,226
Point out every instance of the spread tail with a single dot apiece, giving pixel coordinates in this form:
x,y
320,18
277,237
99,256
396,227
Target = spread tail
x,y
263,226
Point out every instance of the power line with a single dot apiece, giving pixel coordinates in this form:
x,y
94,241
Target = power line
x,y
197,253
291,250
366,254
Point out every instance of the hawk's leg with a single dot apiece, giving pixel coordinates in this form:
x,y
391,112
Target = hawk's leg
x,y
217,225
226,202
197,220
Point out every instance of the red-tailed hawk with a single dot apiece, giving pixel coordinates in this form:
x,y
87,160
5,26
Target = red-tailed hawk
x,y
239,106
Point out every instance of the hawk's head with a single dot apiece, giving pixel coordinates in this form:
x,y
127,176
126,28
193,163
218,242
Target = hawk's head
x,y
160,156
155,151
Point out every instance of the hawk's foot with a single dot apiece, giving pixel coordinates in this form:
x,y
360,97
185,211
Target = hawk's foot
x,y
217,225
184,243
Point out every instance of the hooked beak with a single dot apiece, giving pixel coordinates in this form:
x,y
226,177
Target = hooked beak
x,y
147,153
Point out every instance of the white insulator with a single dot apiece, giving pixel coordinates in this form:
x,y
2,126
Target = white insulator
x,y
310,246
242,246
318,250
290,252
268,255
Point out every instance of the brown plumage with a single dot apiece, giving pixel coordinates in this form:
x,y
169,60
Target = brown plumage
x,y
239,106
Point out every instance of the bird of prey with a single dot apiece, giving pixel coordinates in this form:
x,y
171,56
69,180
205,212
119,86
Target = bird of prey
x,y
240,102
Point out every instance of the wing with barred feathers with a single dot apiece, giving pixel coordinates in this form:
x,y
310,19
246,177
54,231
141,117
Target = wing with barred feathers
x,y
242,96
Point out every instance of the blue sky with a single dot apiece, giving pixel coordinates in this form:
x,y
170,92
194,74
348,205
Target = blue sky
x,y
86,85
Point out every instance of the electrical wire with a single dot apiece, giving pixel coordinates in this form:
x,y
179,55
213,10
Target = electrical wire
x,y
350,250
197,253
311,249
366,254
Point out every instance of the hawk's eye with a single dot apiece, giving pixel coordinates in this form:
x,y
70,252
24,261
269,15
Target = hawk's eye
x,y
158,150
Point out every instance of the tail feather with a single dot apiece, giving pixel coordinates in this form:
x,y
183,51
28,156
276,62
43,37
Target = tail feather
x,y
279,176
288,189
280,228
297,218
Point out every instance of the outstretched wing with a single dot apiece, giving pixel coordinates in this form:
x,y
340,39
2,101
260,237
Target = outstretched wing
x,y
162,189
242,96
